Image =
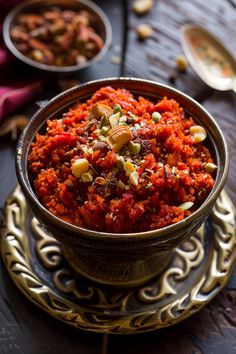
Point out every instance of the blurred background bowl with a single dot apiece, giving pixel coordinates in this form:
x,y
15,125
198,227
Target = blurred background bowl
x,y
101,25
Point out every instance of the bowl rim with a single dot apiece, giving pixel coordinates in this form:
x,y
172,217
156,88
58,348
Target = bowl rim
x,y
53,68
132,236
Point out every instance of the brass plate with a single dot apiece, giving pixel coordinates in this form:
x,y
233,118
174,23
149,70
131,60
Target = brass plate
x,y
199,270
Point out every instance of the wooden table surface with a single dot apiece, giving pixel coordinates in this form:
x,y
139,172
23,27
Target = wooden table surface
x,y
26,329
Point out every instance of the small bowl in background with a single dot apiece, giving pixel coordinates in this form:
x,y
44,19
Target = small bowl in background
x,y
101,25
121,259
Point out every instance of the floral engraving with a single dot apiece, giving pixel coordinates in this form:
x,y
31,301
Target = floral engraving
x,y
89,306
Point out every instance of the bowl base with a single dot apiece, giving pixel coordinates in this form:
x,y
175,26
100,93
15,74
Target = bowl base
x,y
111,271
199,269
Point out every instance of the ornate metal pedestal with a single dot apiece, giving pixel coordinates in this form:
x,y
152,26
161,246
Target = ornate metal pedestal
x,y
199,269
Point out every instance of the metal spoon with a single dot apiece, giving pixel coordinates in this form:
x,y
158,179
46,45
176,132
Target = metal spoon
x,y
209,58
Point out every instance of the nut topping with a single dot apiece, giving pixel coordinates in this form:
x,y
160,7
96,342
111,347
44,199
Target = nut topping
x,y
98,110
118,137
57,37
100,146
210,167
186,205
198,133
79,167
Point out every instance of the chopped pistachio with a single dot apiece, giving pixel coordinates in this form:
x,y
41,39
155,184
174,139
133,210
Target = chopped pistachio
x,y
120,185
156,116
86,177
86,149
104,130
134,147
128,167
136,126
80,166
210,167
186,205
198,133
102,138
113,119
133,178
120,162
132,115
117,109
104,121
123,119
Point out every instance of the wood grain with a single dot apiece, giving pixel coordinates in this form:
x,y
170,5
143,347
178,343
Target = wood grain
x,y
211,331
222,106
155,58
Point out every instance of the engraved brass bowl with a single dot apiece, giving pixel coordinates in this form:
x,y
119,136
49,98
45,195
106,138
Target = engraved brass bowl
x,y
101,22
121,259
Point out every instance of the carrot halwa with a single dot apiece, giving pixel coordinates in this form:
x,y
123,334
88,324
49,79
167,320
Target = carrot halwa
x,y
117,163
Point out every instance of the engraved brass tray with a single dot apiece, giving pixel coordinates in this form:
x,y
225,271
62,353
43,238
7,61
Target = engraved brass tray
x,y
199,269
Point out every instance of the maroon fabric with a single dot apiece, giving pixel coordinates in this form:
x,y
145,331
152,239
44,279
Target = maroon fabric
x,y
14,92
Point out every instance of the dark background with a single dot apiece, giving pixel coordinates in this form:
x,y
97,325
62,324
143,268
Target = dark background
x,y
26,329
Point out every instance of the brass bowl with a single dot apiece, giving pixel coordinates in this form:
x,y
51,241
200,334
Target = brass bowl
x,y
102,25
121,259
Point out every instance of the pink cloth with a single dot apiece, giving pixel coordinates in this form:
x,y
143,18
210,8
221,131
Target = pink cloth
x,y
14,92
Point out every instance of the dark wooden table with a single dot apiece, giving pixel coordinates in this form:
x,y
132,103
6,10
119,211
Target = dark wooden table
x,y
26,329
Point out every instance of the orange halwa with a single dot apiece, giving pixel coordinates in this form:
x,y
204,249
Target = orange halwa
x,y
117,163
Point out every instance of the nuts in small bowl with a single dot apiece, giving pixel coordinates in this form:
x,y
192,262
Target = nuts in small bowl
x,y
57,36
